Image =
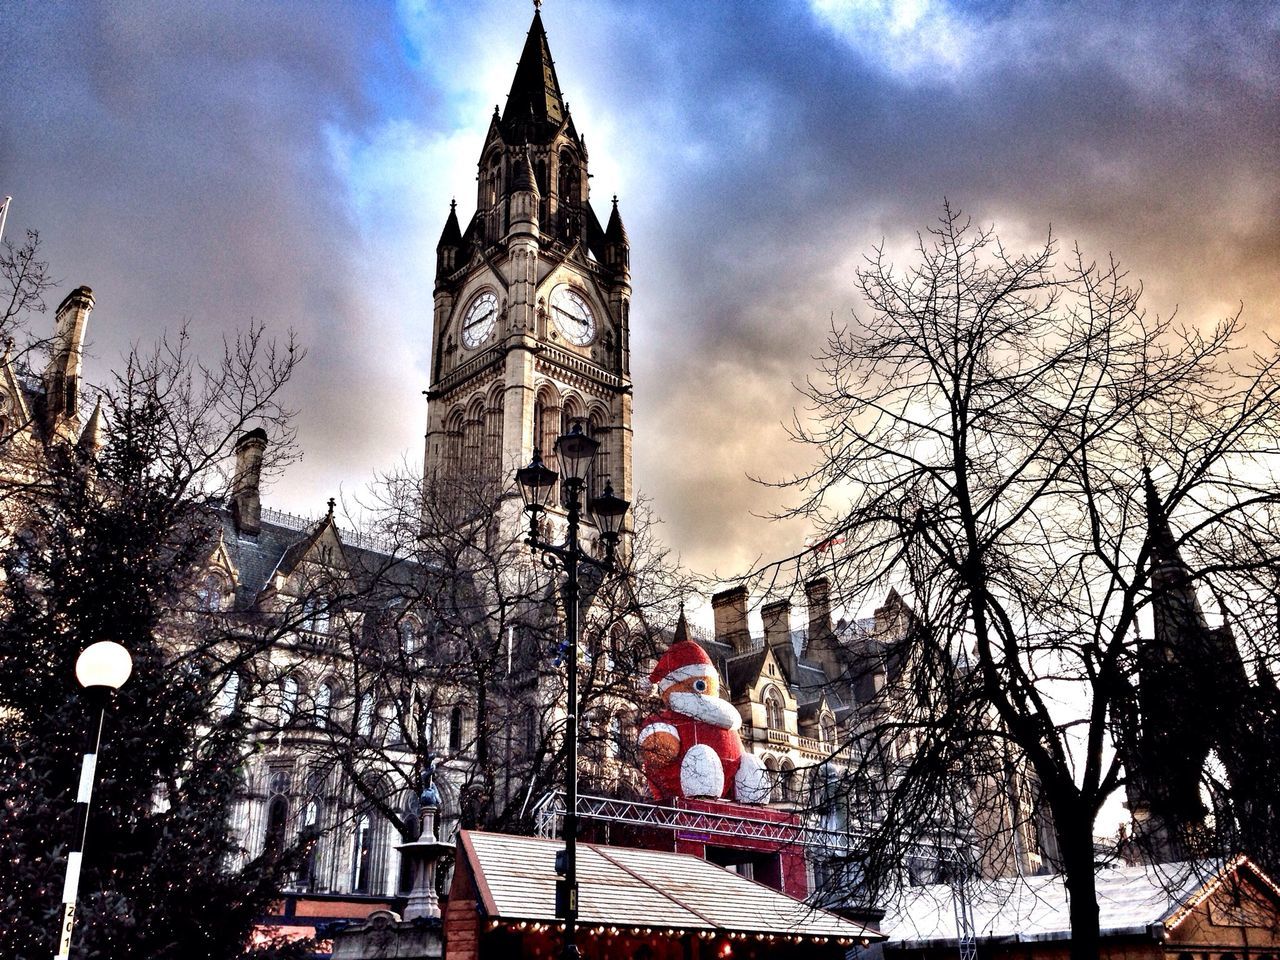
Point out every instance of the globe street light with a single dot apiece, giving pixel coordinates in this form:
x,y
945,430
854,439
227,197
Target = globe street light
x,y
575,452
102,668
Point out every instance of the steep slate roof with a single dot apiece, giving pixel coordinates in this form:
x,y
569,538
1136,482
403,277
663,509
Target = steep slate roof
x,y
1130,900
516,880
535,92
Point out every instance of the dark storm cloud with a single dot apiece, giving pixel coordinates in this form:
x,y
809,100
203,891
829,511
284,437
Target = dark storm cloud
x,y
294,163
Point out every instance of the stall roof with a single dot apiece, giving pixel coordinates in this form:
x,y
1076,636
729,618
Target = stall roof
x,y
622,886
1130,901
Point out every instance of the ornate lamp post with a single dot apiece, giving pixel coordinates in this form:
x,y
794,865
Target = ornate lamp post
x,y
574,451
102,668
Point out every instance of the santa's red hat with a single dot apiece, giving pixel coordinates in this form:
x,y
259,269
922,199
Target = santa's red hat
x,y
684,659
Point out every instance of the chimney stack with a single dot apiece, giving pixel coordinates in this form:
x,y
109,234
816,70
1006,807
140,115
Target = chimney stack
x,y
62,375
730,608
246,501
777,634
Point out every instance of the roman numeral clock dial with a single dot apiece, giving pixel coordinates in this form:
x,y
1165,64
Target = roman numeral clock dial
x,y
572,316
479,319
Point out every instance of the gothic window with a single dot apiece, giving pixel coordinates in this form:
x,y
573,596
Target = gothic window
x,y
211,592
493,466
364,716
473,439
362,855
315,615
613,743
277,820
790,786
323,704
227,698
309,837
602,467
410,632
455,729
775,786
829,729
530,730
393,729
453,444
413,824
288,699
773,709
546,419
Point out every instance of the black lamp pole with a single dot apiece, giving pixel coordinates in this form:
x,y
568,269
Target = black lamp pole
x,y
575,452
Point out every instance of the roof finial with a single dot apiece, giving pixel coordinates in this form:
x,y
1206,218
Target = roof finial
x,y
537,5
453,204
615,203
332,503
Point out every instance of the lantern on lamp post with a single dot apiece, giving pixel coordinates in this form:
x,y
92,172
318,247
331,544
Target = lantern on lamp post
x,y
575,452
102,668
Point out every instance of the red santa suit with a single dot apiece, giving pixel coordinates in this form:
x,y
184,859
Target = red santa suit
x,y
710,761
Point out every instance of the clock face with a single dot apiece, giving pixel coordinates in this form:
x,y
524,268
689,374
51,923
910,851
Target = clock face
x,y
478,321
573,317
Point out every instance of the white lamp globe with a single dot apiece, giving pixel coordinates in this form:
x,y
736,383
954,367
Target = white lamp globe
x,y
104,664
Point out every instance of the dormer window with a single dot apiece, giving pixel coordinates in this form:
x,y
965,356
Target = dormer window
x,y
773,709
212,592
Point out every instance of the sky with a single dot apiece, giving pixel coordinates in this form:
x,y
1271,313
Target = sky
x,y
292,163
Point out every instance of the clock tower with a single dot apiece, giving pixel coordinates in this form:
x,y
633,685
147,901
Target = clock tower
x,y
532,298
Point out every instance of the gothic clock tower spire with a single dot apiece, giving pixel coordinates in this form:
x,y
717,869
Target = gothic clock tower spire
x,y
532,300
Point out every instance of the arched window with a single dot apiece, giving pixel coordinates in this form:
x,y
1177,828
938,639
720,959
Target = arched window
x,y
362,855
315,615
212,592
309,838
455,729
227,698
277,820
773,709
410,632
613,743
790,785
775,785
453,444
364,716
393,729
493,466
829,729
288,699
546,412
323,704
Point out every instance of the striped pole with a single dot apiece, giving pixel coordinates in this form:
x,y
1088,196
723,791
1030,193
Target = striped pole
x,y
84,795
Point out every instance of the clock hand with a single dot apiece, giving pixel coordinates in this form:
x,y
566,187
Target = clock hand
x,y
577,320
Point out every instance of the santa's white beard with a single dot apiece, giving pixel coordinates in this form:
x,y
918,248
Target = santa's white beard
x,y
712,710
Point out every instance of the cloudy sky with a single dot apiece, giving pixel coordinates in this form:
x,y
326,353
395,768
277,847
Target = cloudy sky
x,y
293,163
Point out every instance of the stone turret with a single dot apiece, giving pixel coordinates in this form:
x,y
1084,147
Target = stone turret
x,y
730,608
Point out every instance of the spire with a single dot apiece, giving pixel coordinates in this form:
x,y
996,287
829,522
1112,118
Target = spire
x,y
90,441
535,97
682,627
1175,604
522,177
451,236
615,232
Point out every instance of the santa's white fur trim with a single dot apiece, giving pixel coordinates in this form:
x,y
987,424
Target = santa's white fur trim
x,y
701,773
651,728
712,710
687,672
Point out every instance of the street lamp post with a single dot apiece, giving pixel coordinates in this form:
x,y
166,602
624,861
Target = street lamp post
x,y
101,668
575,452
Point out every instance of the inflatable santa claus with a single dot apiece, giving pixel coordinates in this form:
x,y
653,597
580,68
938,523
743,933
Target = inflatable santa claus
x,y
692,747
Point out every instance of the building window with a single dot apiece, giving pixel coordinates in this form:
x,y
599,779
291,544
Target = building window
x,y
362,855
227,698
364,716
324,704
410,636
288,699
315,615
455,730
613,745
790,784
277,819
773,709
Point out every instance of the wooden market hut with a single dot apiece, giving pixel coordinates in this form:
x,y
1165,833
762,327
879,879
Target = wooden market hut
x,y
643,904
1170,911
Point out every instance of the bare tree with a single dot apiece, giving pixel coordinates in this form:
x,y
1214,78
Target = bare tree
x,y
980,439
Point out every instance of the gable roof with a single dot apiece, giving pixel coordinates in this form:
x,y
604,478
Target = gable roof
x,y
1131,900
516,879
